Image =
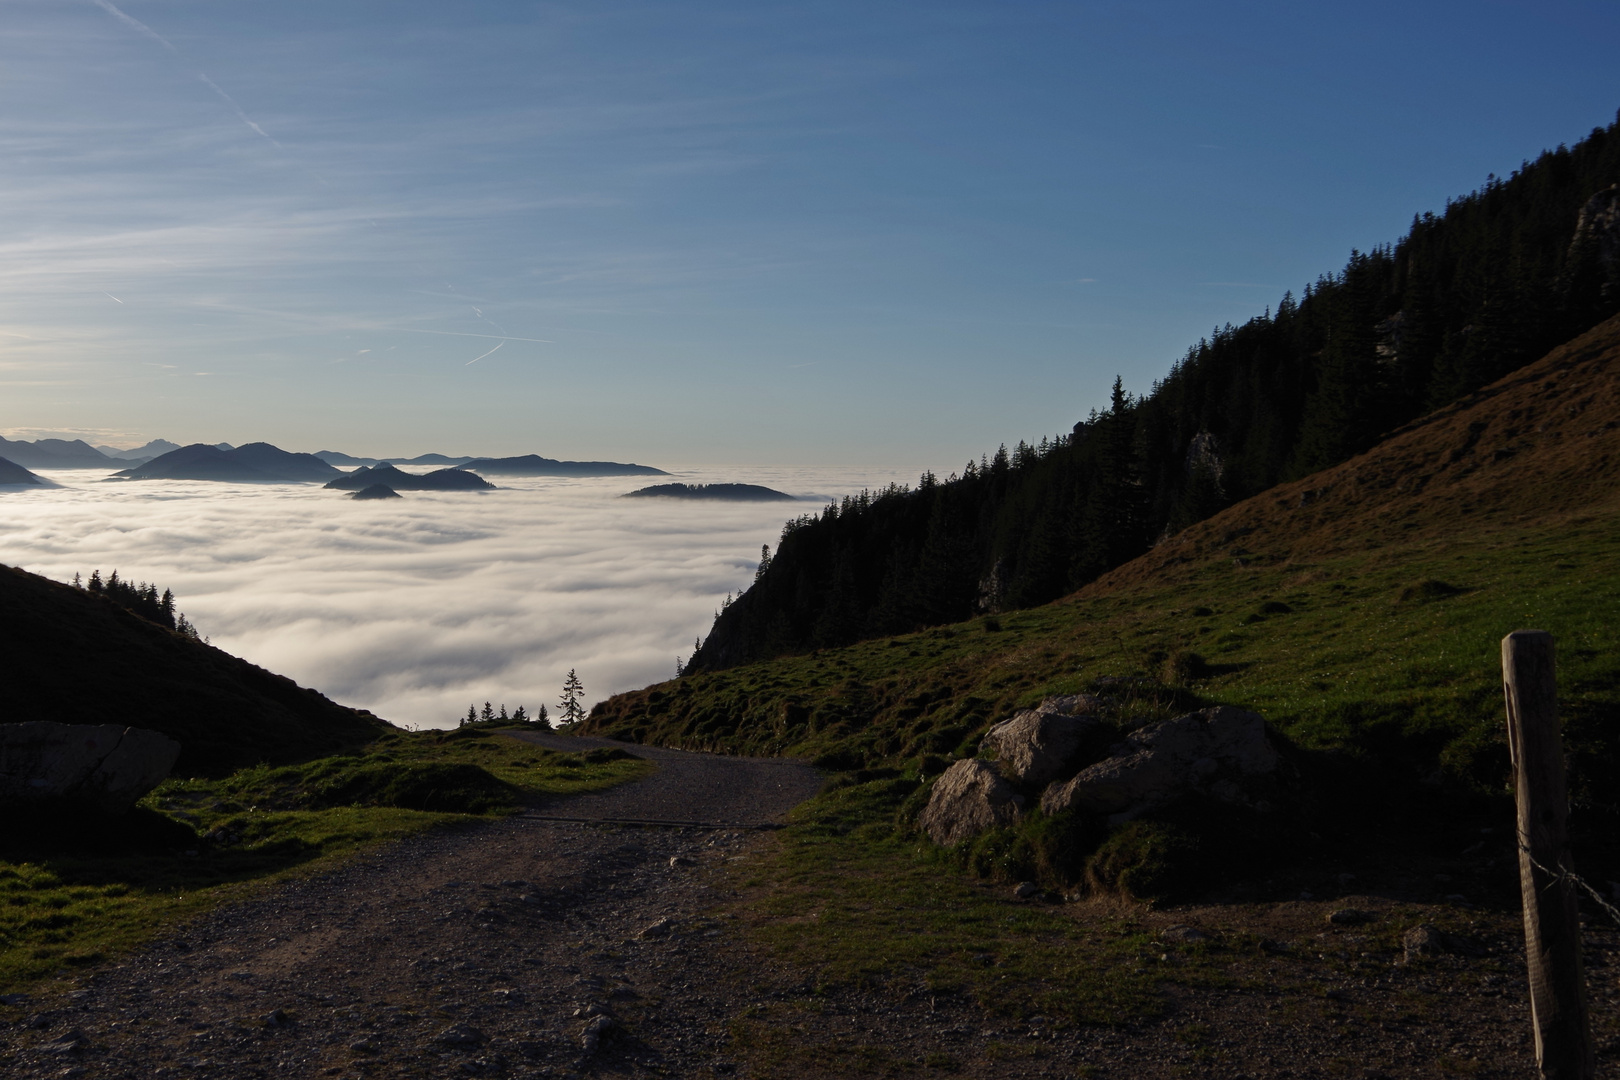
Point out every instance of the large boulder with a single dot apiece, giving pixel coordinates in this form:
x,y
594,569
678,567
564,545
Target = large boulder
x,y
1038,745
969,798
103,766
1219,753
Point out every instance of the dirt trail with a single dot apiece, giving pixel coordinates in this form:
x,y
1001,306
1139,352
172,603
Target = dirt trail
x,y
494,950
481,951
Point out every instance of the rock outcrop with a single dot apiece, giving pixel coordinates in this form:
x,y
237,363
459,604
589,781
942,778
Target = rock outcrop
x,y
1036,746
103,766
1215,752
969,798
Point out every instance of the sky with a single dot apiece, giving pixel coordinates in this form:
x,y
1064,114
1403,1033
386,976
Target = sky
x,y
746,233
419,606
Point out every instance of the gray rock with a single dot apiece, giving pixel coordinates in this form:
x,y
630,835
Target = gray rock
x,y
1183,935
1026,889
461,1036
1213,752
69,1042
1349,917
968,798
658,929
1036,746
106,766
591,1037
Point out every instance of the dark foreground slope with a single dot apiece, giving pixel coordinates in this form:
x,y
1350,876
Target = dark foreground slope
x,y
74,657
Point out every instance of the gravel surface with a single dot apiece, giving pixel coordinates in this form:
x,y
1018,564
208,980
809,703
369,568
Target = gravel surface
x,y
517,947
528,947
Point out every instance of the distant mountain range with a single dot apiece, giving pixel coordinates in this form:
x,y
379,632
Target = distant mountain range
x,y
12,474
54,454
261,462
337,457
155,448
255,463
389,477
535,465
721,492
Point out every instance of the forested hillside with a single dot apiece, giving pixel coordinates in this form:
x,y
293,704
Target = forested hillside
x,y
1468,295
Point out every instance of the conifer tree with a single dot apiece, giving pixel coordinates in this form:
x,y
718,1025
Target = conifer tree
x,y
572,711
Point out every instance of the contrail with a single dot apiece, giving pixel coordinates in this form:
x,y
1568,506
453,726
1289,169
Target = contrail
x,y
110,296
136,24
242,116
475,359
492,337
142,28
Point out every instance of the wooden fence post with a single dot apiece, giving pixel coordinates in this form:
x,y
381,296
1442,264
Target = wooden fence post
x,y
1552,929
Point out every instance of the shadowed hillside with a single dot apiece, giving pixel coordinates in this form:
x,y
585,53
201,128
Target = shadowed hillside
x,y
1502,276
75,657
1543,442
1358,609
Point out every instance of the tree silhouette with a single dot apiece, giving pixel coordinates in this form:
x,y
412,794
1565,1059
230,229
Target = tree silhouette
x,y
572,711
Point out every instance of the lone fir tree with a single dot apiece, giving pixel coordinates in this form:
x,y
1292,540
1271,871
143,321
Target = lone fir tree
x,y
572,711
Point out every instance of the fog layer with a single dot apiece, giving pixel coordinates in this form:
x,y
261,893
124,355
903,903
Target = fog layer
x,y
416,607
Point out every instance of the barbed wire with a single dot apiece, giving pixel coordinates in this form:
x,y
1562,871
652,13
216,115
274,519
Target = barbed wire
x,y
1565,875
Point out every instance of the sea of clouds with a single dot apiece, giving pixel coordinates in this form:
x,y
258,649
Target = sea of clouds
x,y
415,607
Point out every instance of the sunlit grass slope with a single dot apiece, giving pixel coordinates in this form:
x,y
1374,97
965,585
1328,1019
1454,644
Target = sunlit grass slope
x,y
74,906
1359,610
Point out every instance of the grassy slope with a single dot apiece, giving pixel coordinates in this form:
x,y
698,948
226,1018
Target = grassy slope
x,y
1359,610
1400,570
68,910
77,658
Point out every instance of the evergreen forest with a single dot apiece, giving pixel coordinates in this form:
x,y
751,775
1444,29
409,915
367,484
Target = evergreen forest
x,y
1468,295
141,598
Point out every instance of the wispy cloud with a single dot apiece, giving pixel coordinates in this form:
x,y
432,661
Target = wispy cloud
x,y
146,31
136,25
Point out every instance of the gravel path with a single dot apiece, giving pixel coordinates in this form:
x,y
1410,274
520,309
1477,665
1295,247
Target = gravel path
x,y
534,947
493,950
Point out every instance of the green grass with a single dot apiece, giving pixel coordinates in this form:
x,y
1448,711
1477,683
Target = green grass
x,y
867,907
74,907
1390,654
1381,665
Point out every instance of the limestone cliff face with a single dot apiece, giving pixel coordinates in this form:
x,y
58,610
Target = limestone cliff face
x,y
1598,227
1597,238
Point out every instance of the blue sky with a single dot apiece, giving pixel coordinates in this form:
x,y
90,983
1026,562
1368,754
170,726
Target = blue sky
x,y
702,232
